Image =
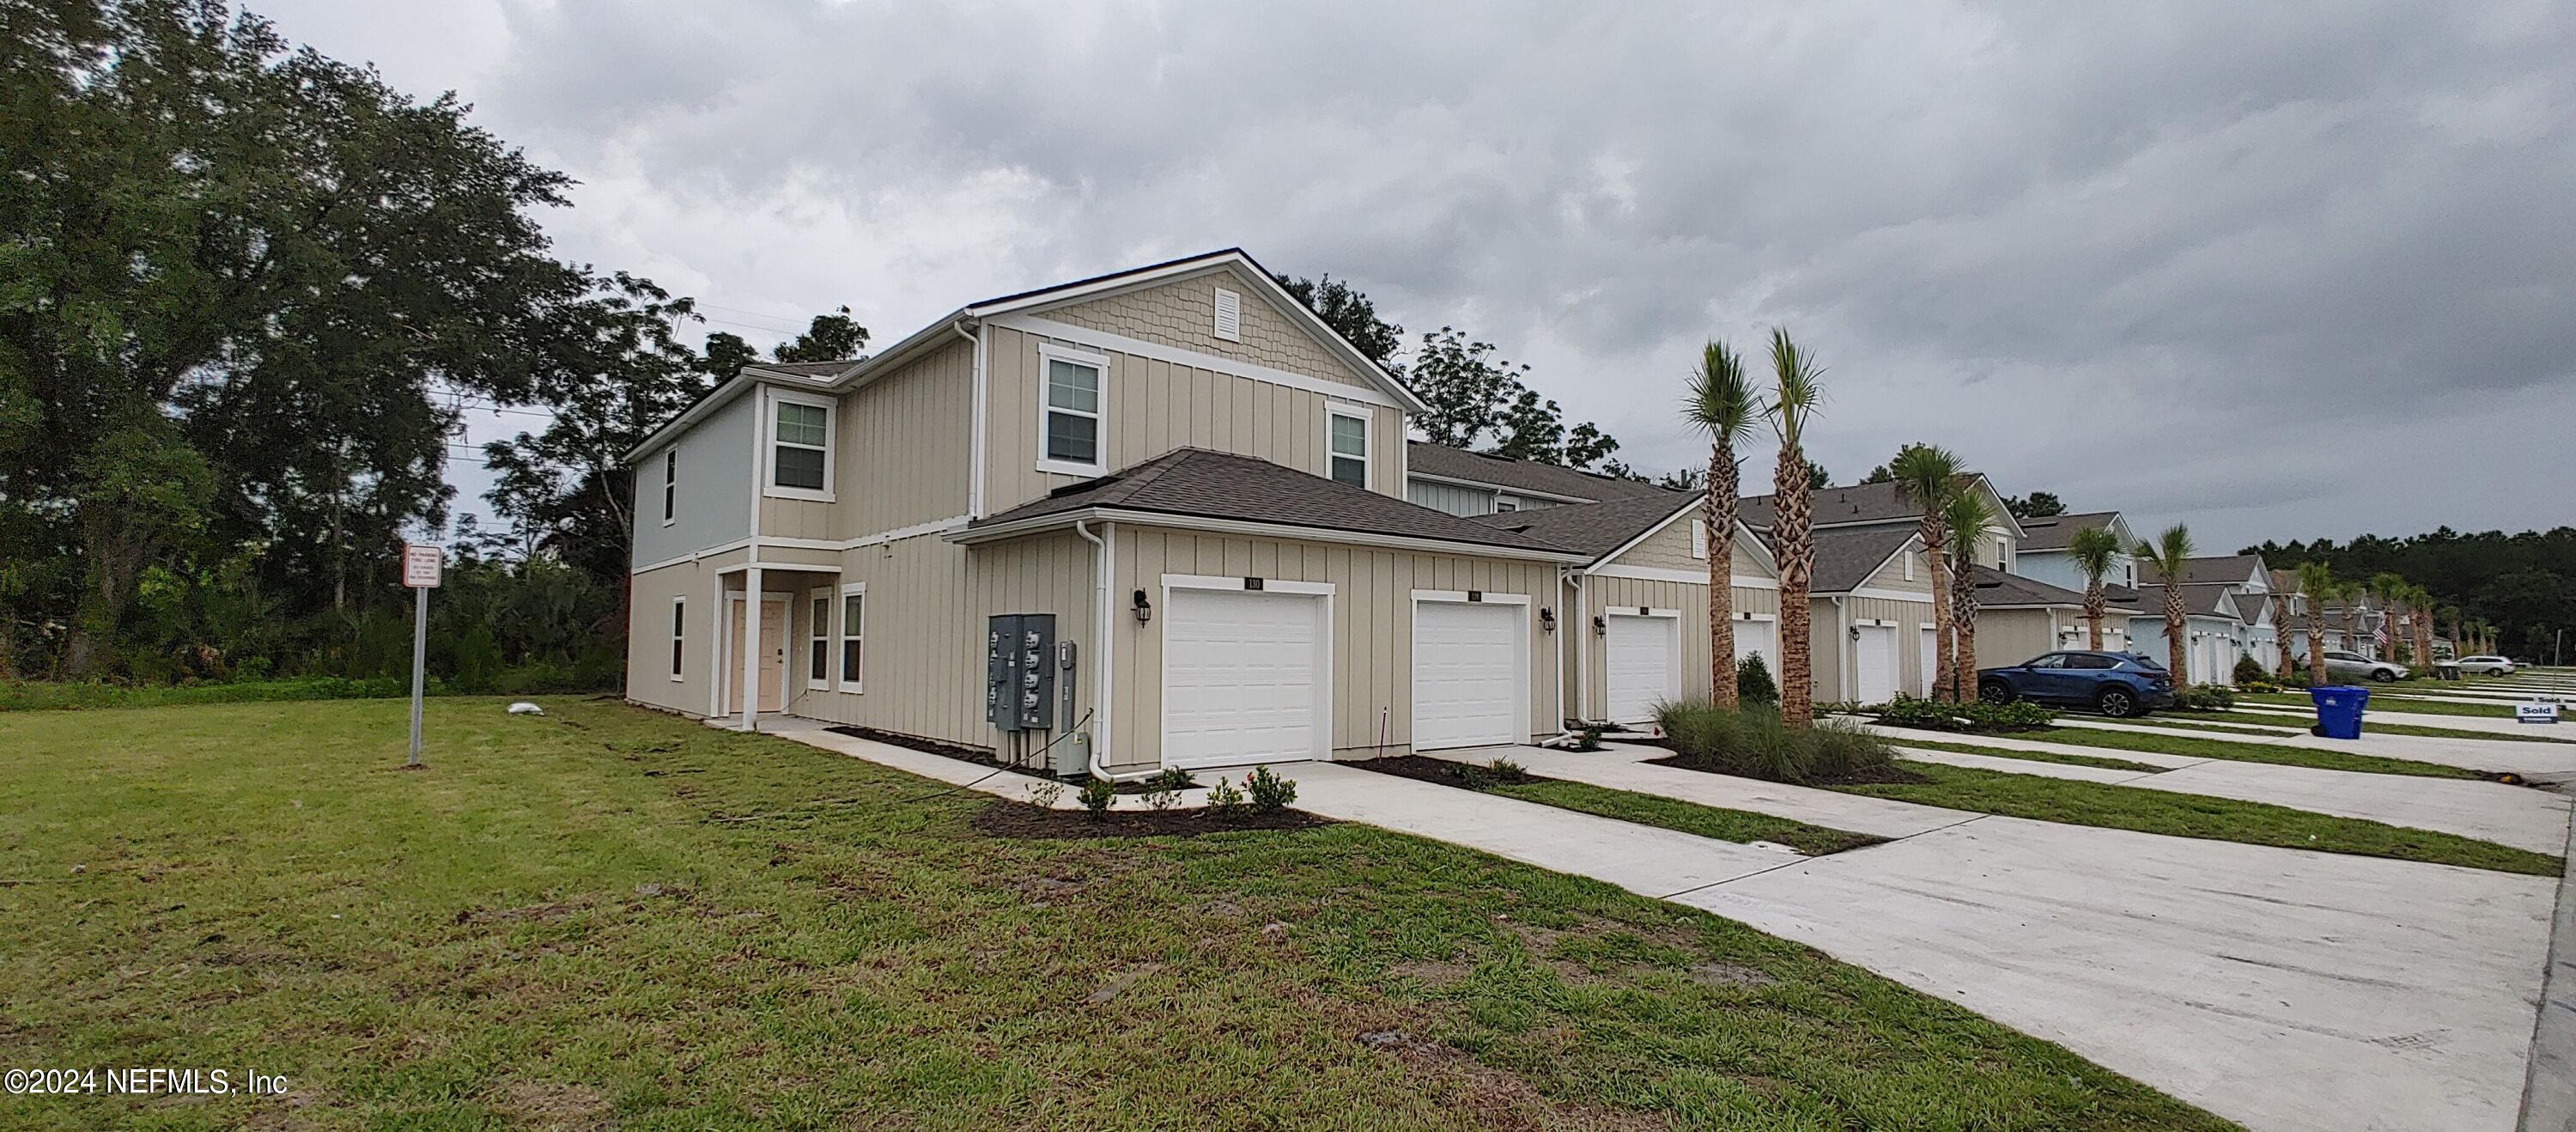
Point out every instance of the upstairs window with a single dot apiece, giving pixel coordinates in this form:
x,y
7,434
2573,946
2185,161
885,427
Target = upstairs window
x,y
800,447
1505,505
1348,433
670,484
1069,412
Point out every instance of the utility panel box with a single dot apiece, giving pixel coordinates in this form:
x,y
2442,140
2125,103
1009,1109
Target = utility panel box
x,y
1019,671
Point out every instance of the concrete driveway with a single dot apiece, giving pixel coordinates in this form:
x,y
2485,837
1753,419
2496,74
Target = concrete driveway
x,y
2280,988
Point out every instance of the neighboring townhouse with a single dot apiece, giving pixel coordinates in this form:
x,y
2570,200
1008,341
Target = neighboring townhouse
x,y
1871,592
1882,505
1461,482
2044,552
2249,580
1195,489
1640,633
2214,629
2020,617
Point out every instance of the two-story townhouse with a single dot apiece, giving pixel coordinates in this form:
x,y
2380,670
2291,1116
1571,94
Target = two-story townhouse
x,y
1461,482
1197,483
2229,614
2045,553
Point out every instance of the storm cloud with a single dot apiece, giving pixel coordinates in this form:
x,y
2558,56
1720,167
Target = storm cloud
x,y
2277,270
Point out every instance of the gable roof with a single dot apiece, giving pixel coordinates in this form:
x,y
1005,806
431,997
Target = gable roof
x,y
1999,590
2055,532
2197,601
2212,570
1198,483
1440,461
1866,503
1846,557
1606,530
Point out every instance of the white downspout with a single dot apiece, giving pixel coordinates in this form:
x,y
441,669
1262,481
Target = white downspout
x,y
751,646
1583,651
1845,657
1104,617
975,442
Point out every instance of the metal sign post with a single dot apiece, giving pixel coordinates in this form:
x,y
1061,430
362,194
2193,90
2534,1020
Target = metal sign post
x,y
420,572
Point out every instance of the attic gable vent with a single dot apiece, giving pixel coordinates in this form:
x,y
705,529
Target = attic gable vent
x,y
1229,315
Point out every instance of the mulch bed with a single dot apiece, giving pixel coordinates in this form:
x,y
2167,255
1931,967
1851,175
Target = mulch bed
x,y
1424,768
975,755
1885,774
1005,818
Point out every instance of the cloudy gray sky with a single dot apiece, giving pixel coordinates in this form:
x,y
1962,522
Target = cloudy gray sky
x,y
2278,270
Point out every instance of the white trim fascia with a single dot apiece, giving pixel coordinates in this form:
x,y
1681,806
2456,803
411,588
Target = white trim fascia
x,y
898,534
1241,265
692,556
1748,615
1686,577
981,424
1459,597
1640,611
1268,585
1878,594
771,398
1098,364
1456,481
1368,437
1210,525
1177,355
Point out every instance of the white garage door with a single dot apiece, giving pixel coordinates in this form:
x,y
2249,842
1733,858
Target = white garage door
x,y
1243,677
1876,658
1467,674
1759,637
1644,666
1930,647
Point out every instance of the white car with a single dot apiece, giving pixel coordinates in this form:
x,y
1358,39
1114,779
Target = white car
x,y
2341,665
2483,665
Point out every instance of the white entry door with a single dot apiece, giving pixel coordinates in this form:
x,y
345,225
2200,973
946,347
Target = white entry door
x,y
1875,656
1930,646
1643,665
1470,674
1243,677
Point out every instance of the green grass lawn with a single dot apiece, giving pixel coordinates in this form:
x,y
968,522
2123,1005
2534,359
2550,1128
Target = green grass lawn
x,y
1740,826
2377,724
2102,761
2218,748
2414,706
2192,815
611,916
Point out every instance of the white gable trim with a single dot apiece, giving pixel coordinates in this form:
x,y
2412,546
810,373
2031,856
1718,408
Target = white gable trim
x,y
1120,343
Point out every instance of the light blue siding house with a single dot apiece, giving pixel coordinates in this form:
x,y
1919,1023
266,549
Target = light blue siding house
x,y
2044,556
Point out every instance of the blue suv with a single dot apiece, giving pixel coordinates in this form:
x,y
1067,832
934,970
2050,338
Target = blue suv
x,y
2117,684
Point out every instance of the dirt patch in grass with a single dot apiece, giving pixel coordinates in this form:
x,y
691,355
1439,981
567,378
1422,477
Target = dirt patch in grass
x,y
551,1104
1020,820
1887,775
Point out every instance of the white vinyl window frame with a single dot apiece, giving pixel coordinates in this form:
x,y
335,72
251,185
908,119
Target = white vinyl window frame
x,y
679,638
1049,354
670,485
770,443
853,631
820,607
1335,411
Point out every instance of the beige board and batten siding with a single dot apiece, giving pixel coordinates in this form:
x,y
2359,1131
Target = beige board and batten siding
x,y
1671,548
1153,405
1372,627
2011,636
648,636
902,453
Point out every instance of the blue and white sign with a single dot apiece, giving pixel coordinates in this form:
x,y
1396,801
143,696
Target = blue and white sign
x,y
2537,711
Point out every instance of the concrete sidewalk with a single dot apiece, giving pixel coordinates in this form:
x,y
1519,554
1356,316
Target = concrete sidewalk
x,y
2377,713
2281,988
2467,754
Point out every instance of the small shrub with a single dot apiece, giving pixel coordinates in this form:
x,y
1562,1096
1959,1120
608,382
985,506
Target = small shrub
x,y
2298,678
1753,682
1507,771
1047,795
2248,671
2205,697
1590,739
1500,772
1270,793
1224,800
1169,778
1096,794
1755,743
1974,716
1161,800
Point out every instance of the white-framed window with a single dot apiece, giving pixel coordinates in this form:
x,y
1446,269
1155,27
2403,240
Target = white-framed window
x,y
1346,446
800,446
1073,389
854,629
1229,315
670,484
1505,505
1699,538
679,634
818,642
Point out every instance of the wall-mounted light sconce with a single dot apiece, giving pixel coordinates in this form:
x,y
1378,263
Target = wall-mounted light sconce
x,y
1144,608
1600,627
1855,632
1546,620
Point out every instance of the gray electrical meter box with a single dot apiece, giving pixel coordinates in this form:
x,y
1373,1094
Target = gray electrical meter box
x,y
1019,671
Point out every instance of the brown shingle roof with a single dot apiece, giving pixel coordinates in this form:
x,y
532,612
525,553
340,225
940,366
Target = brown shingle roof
x,y
1594,528
1198,482
2002,590
1546,479
2054,532
2215,570
1846,558
1858,503
2198,601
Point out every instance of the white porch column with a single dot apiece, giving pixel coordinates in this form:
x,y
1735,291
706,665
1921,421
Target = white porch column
x,y
751,646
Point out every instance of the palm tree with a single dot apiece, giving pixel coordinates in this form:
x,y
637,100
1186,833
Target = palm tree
x,y
2317,581
1966,515
2459,647
1793,538
2170,554
2284,606
1929,476
2387,588
1721,402
2092,549
2422,600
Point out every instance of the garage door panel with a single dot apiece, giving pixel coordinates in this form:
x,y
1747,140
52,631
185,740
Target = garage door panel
x,y
1641,667
1243,677
1874,656
1468,667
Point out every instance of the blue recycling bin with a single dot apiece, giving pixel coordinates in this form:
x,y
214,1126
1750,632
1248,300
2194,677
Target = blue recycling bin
x,y
2339,710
